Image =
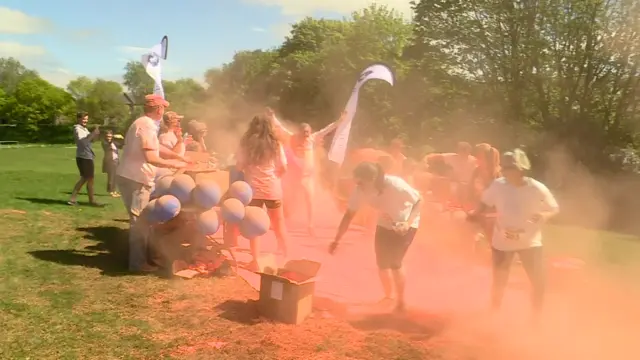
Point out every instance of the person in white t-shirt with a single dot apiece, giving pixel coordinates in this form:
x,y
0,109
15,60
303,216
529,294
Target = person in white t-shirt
x,y
522,205
398,205
171,133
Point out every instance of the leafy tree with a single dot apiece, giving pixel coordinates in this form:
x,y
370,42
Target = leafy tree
x,y
137,81
11,73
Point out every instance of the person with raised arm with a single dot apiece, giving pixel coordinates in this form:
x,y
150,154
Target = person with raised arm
x,y
302,165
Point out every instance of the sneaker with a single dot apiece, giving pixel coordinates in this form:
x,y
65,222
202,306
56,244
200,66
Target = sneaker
x,y
115,194
72,202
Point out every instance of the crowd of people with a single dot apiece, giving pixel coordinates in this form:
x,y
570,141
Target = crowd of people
x,y
282,164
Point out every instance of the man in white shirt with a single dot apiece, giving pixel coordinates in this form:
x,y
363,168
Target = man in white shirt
x,y
522,205
398,205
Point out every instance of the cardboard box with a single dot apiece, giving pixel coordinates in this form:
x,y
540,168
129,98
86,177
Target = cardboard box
x,y
287,295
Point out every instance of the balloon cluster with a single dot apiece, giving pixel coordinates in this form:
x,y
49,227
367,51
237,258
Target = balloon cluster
x,y
172,193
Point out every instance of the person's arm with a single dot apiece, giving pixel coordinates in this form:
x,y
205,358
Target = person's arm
x,y
549,204
329,128
169,154
179,148
281,131
355,202
84,137
281,161
151,146
488,200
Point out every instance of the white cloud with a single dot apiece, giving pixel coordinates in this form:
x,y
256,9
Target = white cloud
x,y
20,51
133,50
258,29
58,77
309,7
17,22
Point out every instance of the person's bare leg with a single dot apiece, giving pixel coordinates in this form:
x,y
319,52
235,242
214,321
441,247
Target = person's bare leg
x,y
76,189
399,281
277,222
254,245
90,191
386,282
307,189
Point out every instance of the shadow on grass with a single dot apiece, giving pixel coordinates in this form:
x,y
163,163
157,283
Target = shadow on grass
x,y
242,312
410,323
45,201
109,254
84,193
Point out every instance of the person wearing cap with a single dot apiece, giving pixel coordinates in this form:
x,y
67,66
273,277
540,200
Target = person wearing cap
x,y
522,206
398,205
136,171
84,158
195,137
171,132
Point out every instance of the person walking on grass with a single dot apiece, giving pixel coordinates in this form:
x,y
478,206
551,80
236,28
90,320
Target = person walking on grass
x,y
110,146
136,173
84,158
399,207
522,206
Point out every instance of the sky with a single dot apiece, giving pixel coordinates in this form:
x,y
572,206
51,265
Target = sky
x,y
64,39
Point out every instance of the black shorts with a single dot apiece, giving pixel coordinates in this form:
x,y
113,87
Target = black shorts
x,y
391,247
269,204
86,168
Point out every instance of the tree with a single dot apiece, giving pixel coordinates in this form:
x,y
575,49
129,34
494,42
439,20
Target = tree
x,y
11,73
137,81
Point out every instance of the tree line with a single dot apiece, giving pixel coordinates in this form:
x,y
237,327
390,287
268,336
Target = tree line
x,y
534,73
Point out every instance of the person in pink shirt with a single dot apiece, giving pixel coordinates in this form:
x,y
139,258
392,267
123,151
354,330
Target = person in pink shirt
x,y
171,132
262,159
463,165
136,172
301,157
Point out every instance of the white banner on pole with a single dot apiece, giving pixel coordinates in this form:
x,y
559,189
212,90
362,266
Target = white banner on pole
x,y
338,149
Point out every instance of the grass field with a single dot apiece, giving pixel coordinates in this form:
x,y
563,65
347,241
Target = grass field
x,y
65,293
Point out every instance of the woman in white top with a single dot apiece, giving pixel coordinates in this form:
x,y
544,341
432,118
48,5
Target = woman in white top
x,y
522,205
399,207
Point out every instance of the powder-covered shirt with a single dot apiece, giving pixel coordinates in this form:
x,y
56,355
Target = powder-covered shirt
x,y
263,178
301,149
394,203
515,207
462,167
83,144
169,140
141,136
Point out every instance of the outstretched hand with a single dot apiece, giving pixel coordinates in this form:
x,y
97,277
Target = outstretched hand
x,y
333,247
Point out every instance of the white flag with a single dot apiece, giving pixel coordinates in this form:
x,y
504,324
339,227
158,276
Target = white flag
x,y
338,148
152,62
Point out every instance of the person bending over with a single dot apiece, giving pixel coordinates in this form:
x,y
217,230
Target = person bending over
x,y
522,206
398,205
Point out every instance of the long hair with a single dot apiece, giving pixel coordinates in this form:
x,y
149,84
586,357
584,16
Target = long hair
x,y
490,157
259,142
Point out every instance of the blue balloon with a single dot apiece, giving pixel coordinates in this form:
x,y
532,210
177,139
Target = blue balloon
x,y
232,210
242,191
162,186
149,212
256,222
166,208
181,187
208,222
206,194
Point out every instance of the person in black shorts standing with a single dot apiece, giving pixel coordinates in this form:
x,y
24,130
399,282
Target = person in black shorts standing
x,y
399,207
84,158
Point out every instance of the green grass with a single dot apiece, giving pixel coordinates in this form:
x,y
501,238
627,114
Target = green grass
x,y
65,292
